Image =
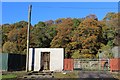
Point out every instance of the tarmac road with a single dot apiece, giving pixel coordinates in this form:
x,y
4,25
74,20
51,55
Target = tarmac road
x,y
96,74
83,75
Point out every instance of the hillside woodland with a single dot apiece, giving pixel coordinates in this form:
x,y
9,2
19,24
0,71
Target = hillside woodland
x,y
80,37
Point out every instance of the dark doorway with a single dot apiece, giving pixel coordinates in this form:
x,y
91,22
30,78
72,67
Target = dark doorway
x,y
45,61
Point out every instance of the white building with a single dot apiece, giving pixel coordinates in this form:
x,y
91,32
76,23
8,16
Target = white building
x,y
50,59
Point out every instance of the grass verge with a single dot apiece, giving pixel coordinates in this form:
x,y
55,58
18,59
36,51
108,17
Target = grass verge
x,y
12,75
9,76
66,74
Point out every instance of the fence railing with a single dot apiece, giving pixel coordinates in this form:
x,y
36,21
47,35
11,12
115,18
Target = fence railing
x,y
91,64
87,64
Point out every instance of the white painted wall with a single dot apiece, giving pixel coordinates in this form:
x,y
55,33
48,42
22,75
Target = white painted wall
x,y
56,58
30,59
37,59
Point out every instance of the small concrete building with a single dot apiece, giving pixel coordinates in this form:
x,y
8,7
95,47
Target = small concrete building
x,y
50,59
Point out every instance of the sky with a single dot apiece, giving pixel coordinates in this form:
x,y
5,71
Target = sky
x,y
13,12
60,0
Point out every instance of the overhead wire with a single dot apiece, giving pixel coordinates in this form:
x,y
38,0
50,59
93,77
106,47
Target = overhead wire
x,y
69,7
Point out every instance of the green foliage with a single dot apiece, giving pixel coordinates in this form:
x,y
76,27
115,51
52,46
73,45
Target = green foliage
x,y
20,24
88,33
110,16
76,54
12,35
109,31
81,37
40,24
42,35
6,28
76,22
15,34
105,51
10,47
63,30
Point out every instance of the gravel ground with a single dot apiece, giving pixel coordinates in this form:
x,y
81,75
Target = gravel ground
x,y
96,74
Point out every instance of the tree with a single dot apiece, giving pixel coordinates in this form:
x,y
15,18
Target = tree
x,y
92,16
12,35
110,16
112,32
105,51
88,36
63,37
76,22
49,22
6,28
81,37
63,31
22,39
42,35
109,34
10,47
58,21
21,24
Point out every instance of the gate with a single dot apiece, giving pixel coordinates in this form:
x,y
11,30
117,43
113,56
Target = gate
x,y
91,64
115,64
68,64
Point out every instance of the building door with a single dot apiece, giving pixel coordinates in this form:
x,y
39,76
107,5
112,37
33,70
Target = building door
x,y
45,61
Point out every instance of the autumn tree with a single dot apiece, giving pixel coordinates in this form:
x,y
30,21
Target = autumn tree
x,y
59,20
15,34
10,47
6,28
21,24
49,22
87,37
80,37
63,37
92,16
12,35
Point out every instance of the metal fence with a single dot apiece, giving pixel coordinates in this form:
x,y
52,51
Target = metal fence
x,y
12,62
68,64
91,64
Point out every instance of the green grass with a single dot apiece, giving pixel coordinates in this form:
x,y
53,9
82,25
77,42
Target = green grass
x,y
67,75
8,76
15,74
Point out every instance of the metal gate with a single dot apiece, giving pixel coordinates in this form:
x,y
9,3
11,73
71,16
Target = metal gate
x,y
68,64
91,64
115,64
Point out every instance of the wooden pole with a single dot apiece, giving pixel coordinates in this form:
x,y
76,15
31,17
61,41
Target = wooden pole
x,y
28,36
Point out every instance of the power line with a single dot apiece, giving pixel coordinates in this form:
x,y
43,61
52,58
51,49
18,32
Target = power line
x,y
69,7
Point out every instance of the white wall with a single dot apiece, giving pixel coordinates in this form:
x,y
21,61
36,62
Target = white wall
x,y
37,59
30,59
56,58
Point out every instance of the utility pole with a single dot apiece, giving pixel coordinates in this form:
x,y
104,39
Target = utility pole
x,y
28,36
